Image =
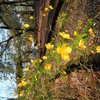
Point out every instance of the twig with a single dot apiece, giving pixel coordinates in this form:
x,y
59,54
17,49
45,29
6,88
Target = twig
x,y
96,16
94,75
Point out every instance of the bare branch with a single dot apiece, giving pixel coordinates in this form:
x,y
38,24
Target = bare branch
x,y
23,12
29,29
4,22
8,40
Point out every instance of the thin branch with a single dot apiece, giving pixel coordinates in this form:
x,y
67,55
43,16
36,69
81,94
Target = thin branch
x,y
4,21
8,40
29,29
23,12
3,27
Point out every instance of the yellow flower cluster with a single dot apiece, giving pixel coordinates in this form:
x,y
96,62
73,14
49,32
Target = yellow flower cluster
x,y
81,44
44,15
22,83
21,93
46,10
40,60
49,46
64,35
44,57
47,67
31,17
26,25
50,7
64,52
33,61
31,38
91,32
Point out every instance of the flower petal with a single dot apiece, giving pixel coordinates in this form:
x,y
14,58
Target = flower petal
x,y
98,48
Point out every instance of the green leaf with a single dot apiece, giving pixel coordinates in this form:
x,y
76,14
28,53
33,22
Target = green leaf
x,y
67,1
48,94
84,35
58,20
78,37
63,14
58,58
86,40
33,80
58,44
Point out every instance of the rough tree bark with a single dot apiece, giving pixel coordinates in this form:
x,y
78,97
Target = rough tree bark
x,y
43,23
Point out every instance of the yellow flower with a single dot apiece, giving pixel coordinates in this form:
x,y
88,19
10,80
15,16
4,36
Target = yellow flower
x,y
31,17
82,47
81,44
53,38
22,83
27,69
44,15
44,57
40,60
92,51
46,10
32,61
66,31
91,32
49,46
75,33
64,52
64,48
35,60
50,7
31,38
65,57
61,34
98,48
68,50
47,67
26,25
64,72
19,85
35,78
21,93
66,36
